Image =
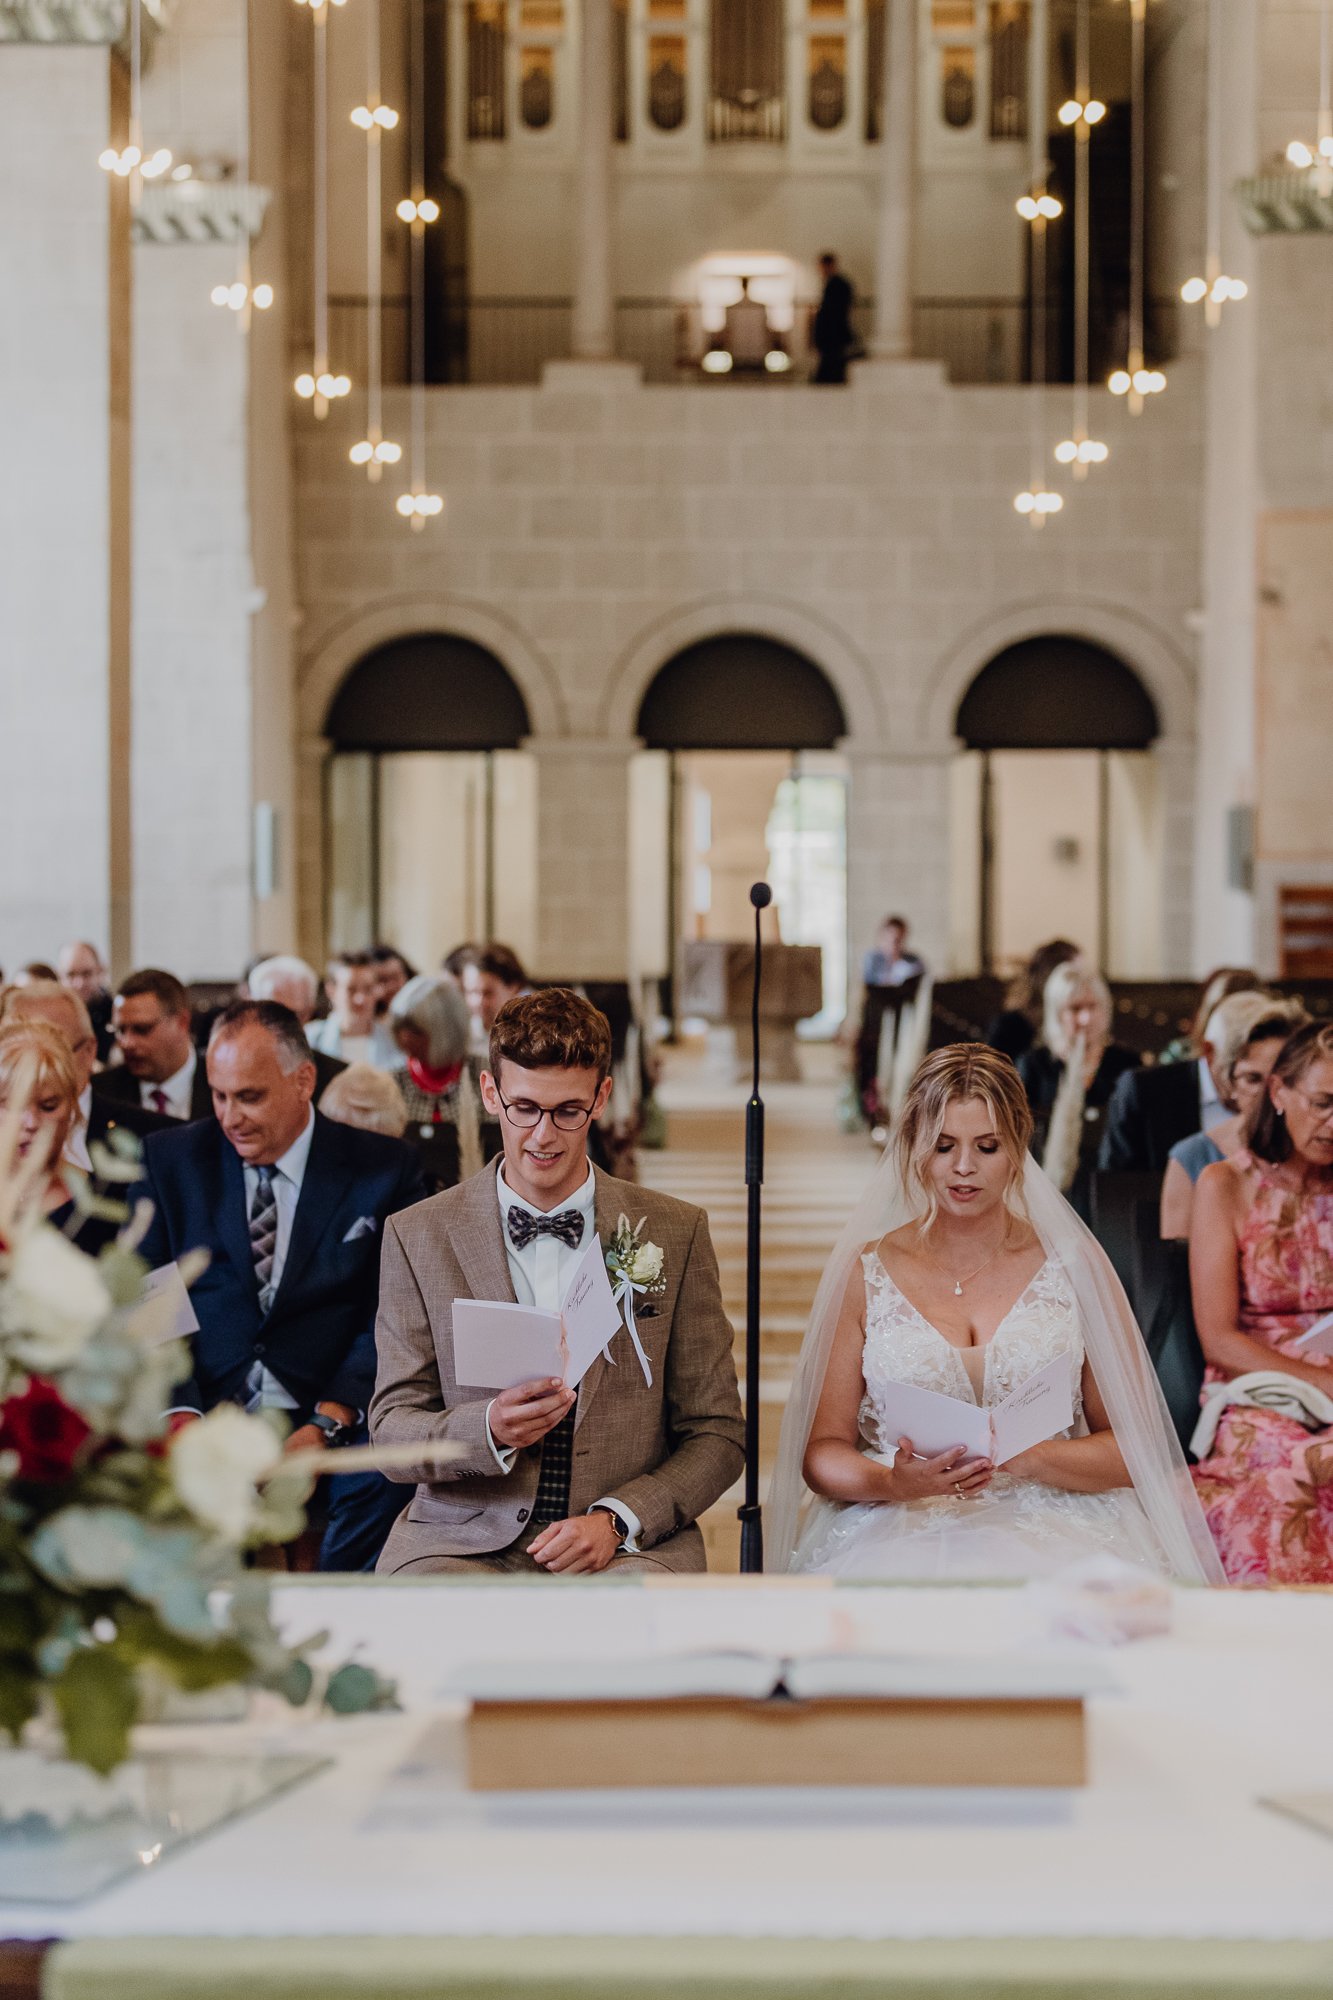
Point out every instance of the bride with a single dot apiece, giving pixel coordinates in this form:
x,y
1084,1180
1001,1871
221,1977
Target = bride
x,y
964,1271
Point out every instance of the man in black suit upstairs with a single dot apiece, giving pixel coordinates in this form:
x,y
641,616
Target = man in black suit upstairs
x,y
1152,1109
291,1208
160,1069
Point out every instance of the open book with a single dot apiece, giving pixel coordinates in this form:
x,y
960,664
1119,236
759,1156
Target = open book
x,y
1037,1409
1317,1339
498,1344
745,1676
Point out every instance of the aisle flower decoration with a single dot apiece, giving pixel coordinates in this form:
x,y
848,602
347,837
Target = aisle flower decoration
x,y
122,1547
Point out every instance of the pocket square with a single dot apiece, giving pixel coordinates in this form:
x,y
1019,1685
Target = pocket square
x,y
365,1225
647,1312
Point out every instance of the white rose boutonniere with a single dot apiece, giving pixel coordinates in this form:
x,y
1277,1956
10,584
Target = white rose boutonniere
x,y
634,1266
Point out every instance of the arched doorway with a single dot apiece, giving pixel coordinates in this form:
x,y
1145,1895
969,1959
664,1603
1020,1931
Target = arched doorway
x,y
740,777
430,806
1057,798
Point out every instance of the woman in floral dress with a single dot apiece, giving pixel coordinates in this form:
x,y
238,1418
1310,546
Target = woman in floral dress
x,y
1261,1266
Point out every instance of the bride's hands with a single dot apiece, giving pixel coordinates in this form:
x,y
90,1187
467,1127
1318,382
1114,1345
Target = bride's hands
x,y
948,1475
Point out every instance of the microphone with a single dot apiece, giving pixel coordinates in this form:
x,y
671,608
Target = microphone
x,y
751,1518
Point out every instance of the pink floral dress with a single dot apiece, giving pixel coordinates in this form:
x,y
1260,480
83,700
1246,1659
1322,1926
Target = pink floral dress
x,y
1267,1488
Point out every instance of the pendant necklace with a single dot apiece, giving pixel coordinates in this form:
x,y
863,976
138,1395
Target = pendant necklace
x,y
958,1283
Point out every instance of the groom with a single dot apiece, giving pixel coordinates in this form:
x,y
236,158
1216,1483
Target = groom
x,y
618,1474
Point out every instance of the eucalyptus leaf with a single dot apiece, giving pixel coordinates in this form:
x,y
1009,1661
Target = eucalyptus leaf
x,y
97,1700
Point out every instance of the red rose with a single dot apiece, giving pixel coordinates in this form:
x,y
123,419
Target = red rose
x,y
41,1427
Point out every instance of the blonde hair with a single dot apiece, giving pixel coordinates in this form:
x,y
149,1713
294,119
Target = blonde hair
x,y
1075,976
951,1076
367,1098
38,1056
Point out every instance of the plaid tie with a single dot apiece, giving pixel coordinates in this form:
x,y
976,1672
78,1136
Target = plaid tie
x,y
264,1234
552,1501
525,1228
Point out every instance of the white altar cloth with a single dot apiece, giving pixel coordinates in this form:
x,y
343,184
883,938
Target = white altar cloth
x,y
1167,1840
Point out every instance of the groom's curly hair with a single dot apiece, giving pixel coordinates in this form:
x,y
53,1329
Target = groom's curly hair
x,y
554,1028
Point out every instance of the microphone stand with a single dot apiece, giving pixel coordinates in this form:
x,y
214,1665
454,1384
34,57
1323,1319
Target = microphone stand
x,y
751,1515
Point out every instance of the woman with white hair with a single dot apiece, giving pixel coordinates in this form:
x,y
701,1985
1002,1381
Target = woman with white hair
x,y
1069,1077
430,1022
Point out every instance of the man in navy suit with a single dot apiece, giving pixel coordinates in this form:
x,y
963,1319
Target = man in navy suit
x,y
291,1208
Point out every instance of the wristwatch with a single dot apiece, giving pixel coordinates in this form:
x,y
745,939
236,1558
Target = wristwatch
x,y
621,1527
335,1431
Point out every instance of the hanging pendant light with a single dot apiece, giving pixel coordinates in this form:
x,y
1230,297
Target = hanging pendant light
x,y
1136,380
1317,157
1084,112
131,161
320,385
374,118
1213,289
1036,503
242,296
418,505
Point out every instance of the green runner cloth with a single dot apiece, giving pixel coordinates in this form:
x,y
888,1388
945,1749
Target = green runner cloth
x,y
395,1968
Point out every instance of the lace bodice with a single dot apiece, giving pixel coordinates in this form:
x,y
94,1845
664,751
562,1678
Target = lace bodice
x,y
902,1346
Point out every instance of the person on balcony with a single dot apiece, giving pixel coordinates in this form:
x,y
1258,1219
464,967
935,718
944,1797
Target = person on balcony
x,y
831,333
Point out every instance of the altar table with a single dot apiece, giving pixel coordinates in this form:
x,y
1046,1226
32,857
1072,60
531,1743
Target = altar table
x,y
385,1881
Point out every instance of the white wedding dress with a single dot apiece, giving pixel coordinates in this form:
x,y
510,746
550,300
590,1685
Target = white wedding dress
x,y
1015,1528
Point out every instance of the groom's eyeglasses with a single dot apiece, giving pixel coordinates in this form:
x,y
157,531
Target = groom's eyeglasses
x,y
525,1114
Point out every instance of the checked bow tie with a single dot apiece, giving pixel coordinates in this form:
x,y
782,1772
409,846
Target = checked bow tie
x,y
567,1225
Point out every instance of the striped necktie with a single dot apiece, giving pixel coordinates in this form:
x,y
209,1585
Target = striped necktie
x,y
264,1233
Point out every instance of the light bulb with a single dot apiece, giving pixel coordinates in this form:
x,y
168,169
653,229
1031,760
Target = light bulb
x,y
361,454
158,164
305,386
1326,146
428,210
387,452
385,116
1070,112
405,504
1049,207
1299,154
262,296
1094,111
1193,290
326,384
220,294
341,384
406,211
1157,382
1119,383
183,172
717,361
1093,452
237,295
776,362
1048,503
1027,208
107,159
1066,451
363,117
1024,502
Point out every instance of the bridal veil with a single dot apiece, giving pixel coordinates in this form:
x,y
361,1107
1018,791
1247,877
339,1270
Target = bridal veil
x,y
1114,1348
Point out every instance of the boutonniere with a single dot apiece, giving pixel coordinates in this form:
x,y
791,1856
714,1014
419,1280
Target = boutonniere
x,y
634,1266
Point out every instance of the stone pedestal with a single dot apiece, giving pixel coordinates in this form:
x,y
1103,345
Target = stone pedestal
x,y
716,981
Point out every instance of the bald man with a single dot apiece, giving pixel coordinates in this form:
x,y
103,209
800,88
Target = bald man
x,y
81,969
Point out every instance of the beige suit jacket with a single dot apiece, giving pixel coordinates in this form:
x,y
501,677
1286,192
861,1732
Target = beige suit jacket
x,y
668,1451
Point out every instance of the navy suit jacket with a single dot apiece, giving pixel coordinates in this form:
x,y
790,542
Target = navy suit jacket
x,y
318,1337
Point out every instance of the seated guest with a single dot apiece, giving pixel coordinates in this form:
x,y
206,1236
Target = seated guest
x,y
887,969
293,983
350,1030
368,1099
81,969
439,1086
161,1067
454,961
491,977
291,1208
1261,1270
1154,1108
35,1059
1070,1075
1217,987
392,973
1013,1032
99,1117
618,1473
1244,1036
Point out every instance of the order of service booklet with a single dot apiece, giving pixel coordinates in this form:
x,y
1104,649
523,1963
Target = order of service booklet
x,y
498,1344
1037,1409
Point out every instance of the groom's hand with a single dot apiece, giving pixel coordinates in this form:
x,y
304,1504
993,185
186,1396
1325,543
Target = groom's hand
x,y
522,1416
576,1548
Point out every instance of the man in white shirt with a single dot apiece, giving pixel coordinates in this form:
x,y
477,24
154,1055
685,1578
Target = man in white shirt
x,y
161,1068
545,1478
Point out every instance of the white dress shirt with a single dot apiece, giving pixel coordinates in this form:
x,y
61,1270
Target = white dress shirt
x,y
178,1091
288,1174
1212,1111
76,1146
541,1272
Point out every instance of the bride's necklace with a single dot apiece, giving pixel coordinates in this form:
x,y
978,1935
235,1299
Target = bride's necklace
x,y
958,1283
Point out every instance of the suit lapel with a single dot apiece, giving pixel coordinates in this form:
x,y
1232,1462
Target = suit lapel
x,y
478,1241
605,1215
321,1190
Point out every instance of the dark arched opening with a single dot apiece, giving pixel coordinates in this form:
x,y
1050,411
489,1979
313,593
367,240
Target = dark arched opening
x,y
1060,725
741,691
432,691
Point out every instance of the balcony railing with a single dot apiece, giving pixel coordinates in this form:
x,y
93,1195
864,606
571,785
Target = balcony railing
x,y
506,341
